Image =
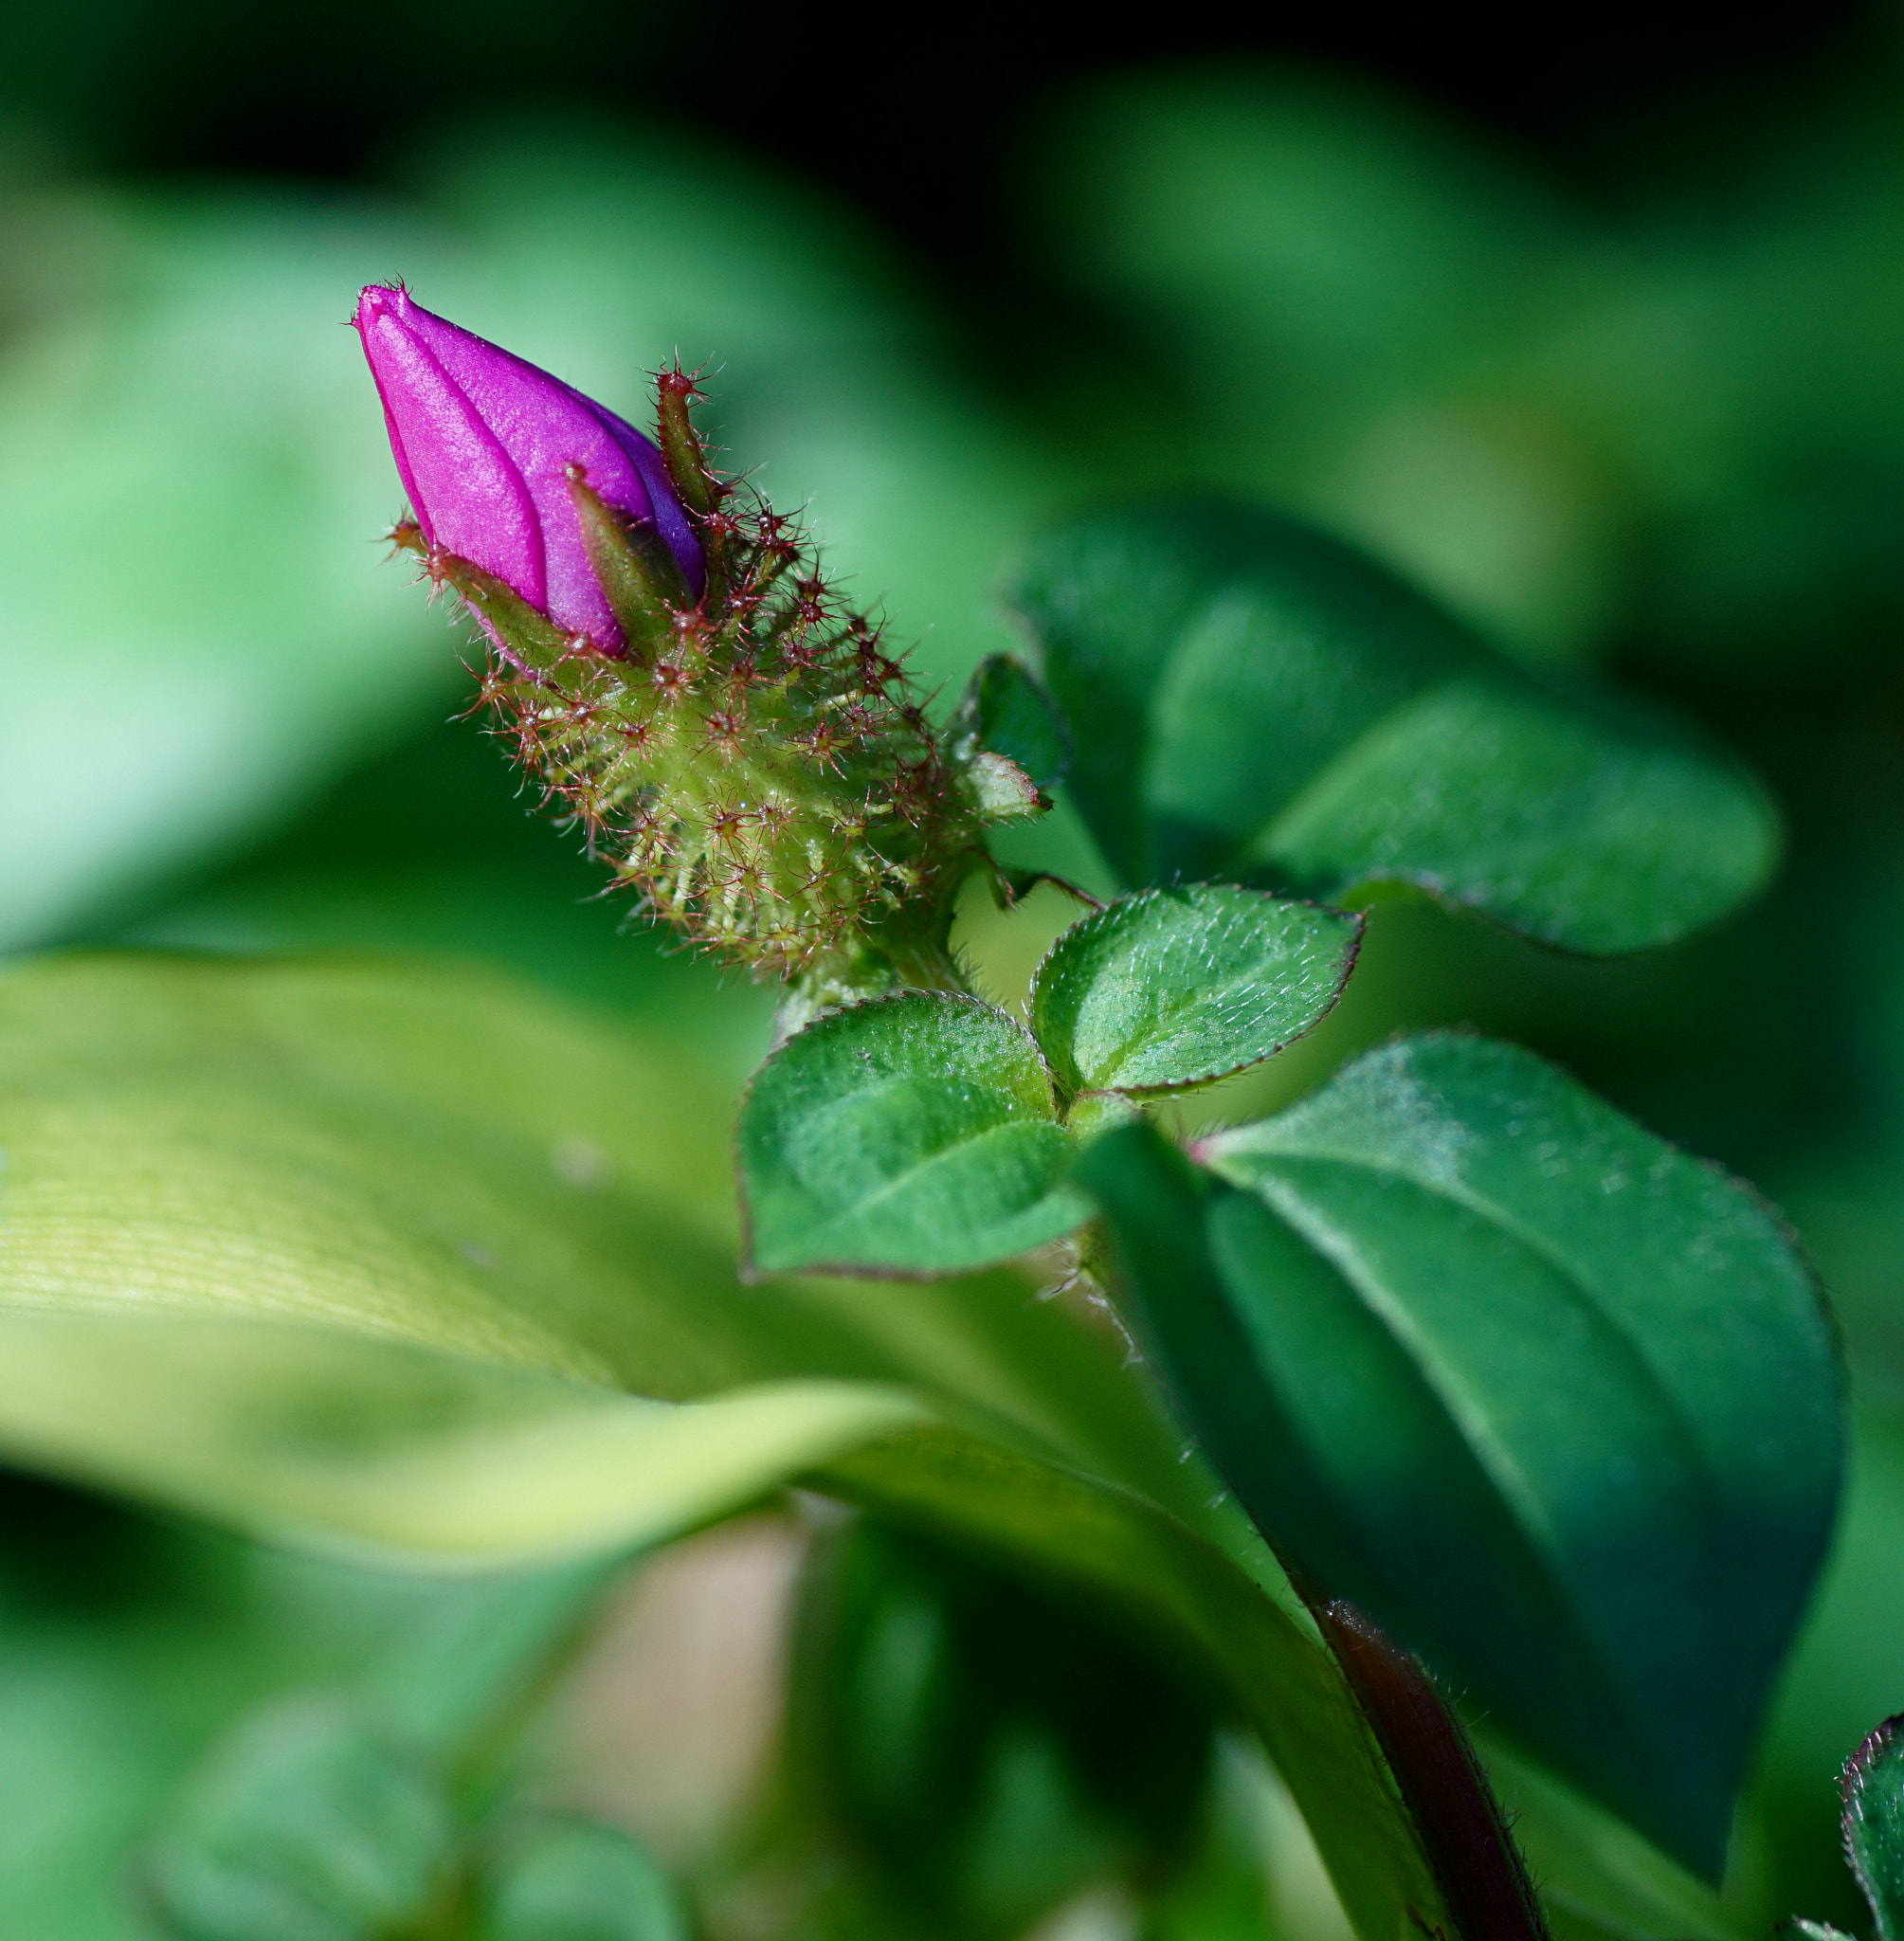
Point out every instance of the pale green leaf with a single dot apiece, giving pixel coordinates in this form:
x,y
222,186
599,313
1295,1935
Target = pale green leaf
x,y
387,1451
1000,791
304,1827
569,1880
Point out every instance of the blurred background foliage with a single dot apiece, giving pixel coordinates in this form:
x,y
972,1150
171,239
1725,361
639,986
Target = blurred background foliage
x,y
1605,346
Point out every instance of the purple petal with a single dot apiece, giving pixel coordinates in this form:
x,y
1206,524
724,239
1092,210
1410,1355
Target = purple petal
x,y
467,495
445,386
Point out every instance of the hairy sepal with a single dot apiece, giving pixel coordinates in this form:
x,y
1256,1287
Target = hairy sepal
x,y
753,764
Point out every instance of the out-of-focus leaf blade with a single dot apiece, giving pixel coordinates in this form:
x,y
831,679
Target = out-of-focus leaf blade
x,y
394,1453
1175,987
569,1881
1249,694
914,1133
305,1827
1600,833
1559,1405
991,1751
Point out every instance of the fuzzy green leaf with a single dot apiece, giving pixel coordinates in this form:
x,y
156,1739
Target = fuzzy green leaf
x,y
1173,988
1873,1825
1559,1405
1000,790
1249,694
913,1134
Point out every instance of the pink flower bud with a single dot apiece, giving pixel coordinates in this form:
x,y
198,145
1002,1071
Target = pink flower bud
x,y
484,443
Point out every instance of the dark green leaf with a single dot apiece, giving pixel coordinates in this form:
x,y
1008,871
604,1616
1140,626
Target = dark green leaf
x,y
1006,710
1873,1825
304,1827
1248,695
916,1133
1559,1405
569,1881
1172,988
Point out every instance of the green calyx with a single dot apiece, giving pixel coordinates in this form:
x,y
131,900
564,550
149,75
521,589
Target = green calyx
x,y
754,764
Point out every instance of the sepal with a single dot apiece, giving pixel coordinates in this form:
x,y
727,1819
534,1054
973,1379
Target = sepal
x,y
1005,710
640,577
1000,791
527,640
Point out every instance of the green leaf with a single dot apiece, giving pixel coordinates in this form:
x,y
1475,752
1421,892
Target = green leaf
x,y
1559,1405
913,1134
405,1257
1173,988
1000,790
1599,1879
408,1258
304,1827
569,1881
1873,1825
1005,709
1598,831
1249,694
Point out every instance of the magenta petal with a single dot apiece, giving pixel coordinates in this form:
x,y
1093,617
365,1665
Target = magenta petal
x,y
467,495
540,426
483,442
545,429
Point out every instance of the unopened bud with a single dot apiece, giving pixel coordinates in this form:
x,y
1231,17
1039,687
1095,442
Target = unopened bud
x,y
485,443
736,744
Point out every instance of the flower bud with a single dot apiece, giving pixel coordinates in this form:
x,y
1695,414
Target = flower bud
x,y
734,741
488,447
